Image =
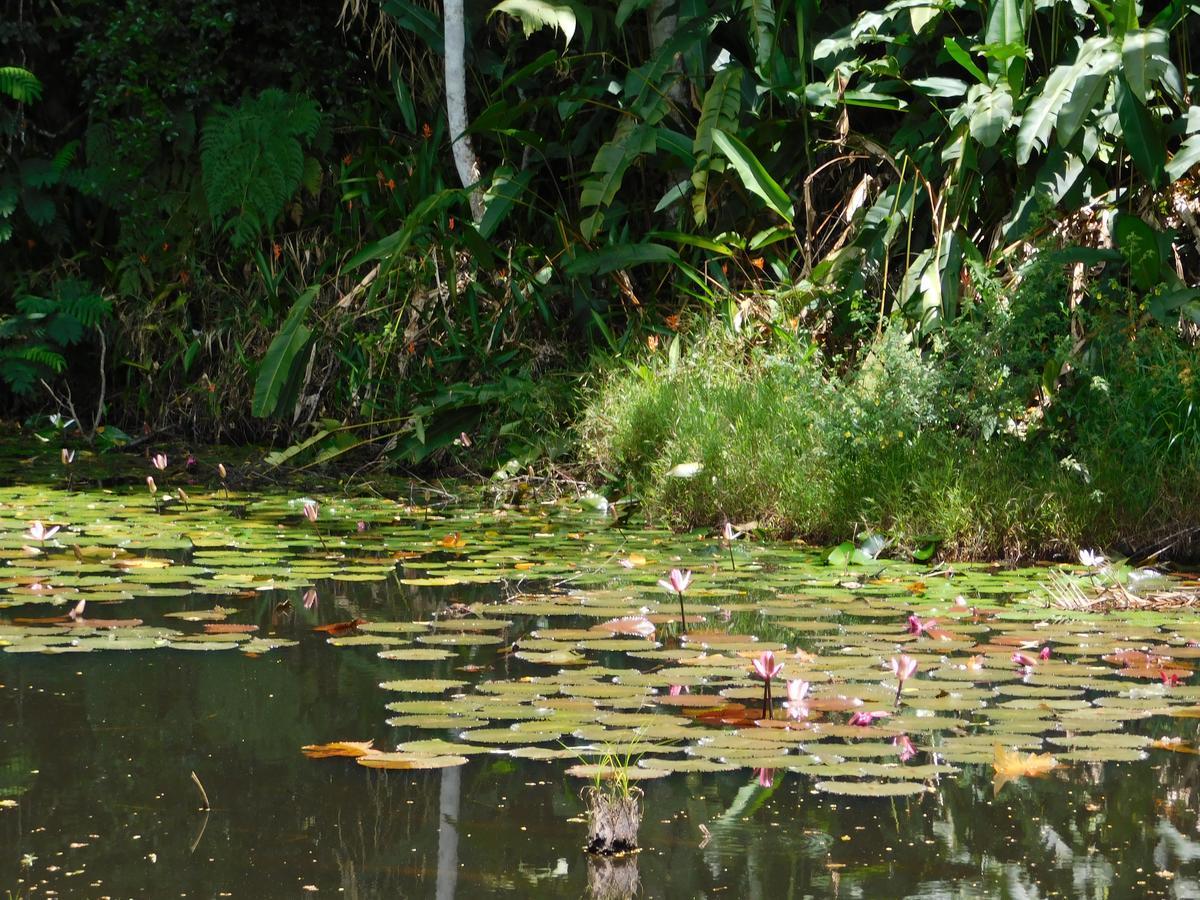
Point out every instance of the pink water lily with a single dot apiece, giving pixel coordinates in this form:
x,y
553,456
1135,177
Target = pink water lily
x,y
310,598
903,667
676,583
864,719
159,461
904,746
766,668
797,691
311,510
677,689
1045,654
40,532
766,777
917,627
76,614
1024,660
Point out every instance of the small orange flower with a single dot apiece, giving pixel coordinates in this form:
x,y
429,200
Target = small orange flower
x,y
347,159
276,250
758,262
426,131
349,204
652,342
184,277
452,223
391,184
166,246
672,321
143,258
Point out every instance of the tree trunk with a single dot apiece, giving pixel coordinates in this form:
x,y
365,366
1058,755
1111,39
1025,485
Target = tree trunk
x,y
465,160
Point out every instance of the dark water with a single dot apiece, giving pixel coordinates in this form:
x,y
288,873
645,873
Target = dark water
x,y
97,750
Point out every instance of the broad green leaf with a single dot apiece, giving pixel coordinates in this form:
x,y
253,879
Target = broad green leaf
x,y
619,256
609,166
1040,117
505,189
1138,243
991,111
1142,135
963,58
1144,60
754,175
1185,159
1166,307
940,87
722,103
537,14
761,14
1088,92
272,390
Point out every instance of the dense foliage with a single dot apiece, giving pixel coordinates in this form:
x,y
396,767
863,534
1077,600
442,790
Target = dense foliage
x,y
260,205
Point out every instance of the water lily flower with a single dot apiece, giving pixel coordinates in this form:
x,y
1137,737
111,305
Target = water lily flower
x,y
676,583
159,461
766,669
1170,679
766,777
190,462
903,667
728,535
1024,660
311,509
77,613
310,598
151,485
797,693
1092,559
863,719
677,689
68,456
361,526
1045,654
917,627
904,745
40,532
221,471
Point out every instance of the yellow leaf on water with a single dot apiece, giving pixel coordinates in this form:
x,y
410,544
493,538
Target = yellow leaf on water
x,y
1009,765
339,748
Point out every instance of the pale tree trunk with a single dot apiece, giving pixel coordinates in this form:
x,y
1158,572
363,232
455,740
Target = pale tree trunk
x,y
469,172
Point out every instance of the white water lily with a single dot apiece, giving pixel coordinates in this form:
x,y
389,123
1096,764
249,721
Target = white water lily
x,y
1092,559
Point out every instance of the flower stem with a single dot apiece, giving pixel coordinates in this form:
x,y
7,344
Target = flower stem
x,y
682,614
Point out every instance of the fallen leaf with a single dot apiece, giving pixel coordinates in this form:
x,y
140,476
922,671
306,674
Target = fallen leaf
x,y
228,628
1010,765
338,748
340,627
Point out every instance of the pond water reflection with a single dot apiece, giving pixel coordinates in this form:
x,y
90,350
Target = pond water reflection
x,y
103,722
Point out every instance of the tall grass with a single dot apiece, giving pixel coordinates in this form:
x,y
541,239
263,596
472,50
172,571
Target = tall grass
x,y
951,443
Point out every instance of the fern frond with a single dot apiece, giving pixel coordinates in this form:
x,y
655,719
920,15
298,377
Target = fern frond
x,y
20,84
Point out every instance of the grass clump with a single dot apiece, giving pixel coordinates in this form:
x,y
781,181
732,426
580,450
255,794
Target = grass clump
x,y
999,437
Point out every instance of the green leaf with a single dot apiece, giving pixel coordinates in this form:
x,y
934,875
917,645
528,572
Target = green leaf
x,y
1166,307
1184,160
1144,60
20,84
537,14
761,14
1040,117
990,111
754,175
609,166
722,104
840,555
1138,243
1088,92
500,196
1143,138
963,58
619,256
272,389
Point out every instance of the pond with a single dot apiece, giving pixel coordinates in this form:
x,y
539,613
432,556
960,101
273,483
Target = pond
x,y
501,642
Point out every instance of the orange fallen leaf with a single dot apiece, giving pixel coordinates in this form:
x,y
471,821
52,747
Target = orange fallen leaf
x,y
228,628
1010,765
453,541
339,627
338,748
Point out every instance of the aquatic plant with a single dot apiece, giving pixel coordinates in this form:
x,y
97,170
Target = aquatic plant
x,y
311,511
223,475
903,667
676,583
39,532
766,668
797,693
153,488
613,805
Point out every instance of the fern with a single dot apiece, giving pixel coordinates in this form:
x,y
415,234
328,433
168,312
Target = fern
x,y
32,341
252,159
20,84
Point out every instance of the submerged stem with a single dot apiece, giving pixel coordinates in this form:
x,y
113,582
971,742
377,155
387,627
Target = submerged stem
x,y
682,614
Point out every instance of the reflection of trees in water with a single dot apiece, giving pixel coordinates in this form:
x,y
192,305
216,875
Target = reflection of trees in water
x,y
391,819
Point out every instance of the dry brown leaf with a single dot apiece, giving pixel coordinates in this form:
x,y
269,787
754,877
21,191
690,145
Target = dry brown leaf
x,y
339,748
